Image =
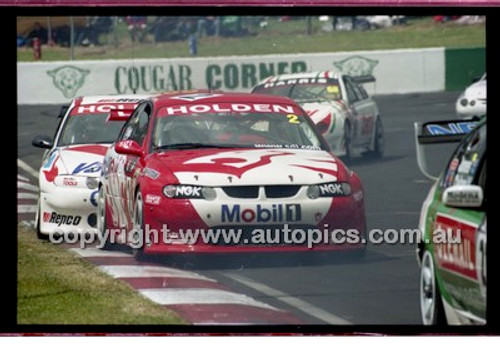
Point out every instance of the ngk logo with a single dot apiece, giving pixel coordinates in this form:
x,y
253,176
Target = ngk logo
x,y
188,191
275,213
331,188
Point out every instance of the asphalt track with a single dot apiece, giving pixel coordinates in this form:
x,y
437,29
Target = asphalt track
x,y
318,288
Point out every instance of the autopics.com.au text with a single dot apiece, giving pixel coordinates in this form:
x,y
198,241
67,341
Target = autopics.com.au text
x,y
286,235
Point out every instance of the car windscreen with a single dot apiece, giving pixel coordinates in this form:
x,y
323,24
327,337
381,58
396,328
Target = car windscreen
x,y
305,92
242,129
89,129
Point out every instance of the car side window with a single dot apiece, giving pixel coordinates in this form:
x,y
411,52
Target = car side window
x,y
351,94
357,90
136,127
61,117
364,94
464,167
58,128
278,91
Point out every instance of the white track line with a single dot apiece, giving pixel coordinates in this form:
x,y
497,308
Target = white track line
x,y
27,196
26,208
29,223
22,178
136,271
291,301
95,252
27,168
168,296
27,186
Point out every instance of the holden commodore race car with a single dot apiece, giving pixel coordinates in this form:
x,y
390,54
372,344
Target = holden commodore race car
x,y
72,163
338,104
226,172
452,250
472,102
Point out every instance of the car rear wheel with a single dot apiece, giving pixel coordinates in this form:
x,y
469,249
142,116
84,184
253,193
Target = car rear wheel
x,y
379,141
347,142
138,238
431,306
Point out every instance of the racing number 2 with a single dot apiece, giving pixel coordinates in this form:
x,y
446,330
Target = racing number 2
x,y
292,118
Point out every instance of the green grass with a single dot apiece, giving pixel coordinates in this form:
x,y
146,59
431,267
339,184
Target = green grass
x,y
57,287
281,38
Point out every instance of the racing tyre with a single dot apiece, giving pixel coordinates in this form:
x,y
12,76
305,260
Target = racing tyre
x,y
347,143
379,141
39,235
102,223
138,238
431,305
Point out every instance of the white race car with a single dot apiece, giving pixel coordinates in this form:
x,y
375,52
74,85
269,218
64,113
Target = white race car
x,y
338,104
472,102
72,163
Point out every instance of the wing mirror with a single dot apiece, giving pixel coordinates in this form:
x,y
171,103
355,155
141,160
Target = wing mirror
x,y
463,196
128,147
42,141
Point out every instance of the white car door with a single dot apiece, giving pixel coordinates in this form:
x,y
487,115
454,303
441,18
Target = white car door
x,y
364,111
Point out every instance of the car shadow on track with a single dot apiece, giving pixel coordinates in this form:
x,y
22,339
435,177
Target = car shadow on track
x,y
239,261
366,161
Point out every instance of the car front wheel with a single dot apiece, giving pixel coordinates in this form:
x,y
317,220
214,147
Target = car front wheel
x,y
38,216
138,238
102,224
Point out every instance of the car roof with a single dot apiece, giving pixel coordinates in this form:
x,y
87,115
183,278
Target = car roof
x,y
193,98
100,99
102,104
203,102
328,74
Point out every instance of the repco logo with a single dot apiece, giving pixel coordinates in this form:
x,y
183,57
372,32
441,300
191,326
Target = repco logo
x,y
61,219
274,213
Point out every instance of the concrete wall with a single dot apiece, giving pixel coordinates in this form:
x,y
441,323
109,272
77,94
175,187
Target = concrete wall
x,y
396,71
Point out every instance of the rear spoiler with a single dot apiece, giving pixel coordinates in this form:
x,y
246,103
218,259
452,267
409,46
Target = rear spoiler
x,y
439,132
364,79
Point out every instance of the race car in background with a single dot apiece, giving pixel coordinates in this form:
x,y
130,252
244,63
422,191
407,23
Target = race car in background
x,y
72,163
338,104
472,102
222,161
452,249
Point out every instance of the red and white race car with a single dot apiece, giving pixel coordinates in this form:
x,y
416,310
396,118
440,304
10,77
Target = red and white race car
x,y
226,172
72,165
338,104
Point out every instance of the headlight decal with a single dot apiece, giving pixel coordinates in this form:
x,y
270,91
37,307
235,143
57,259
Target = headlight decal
x,y
334,189
189,192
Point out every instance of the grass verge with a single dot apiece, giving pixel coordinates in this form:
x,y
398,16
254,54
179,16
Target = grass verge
x,y
56,287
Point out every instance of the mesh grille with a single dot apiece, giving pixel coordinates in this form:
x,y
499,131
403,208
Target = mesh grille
x,y
242,192
281,191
